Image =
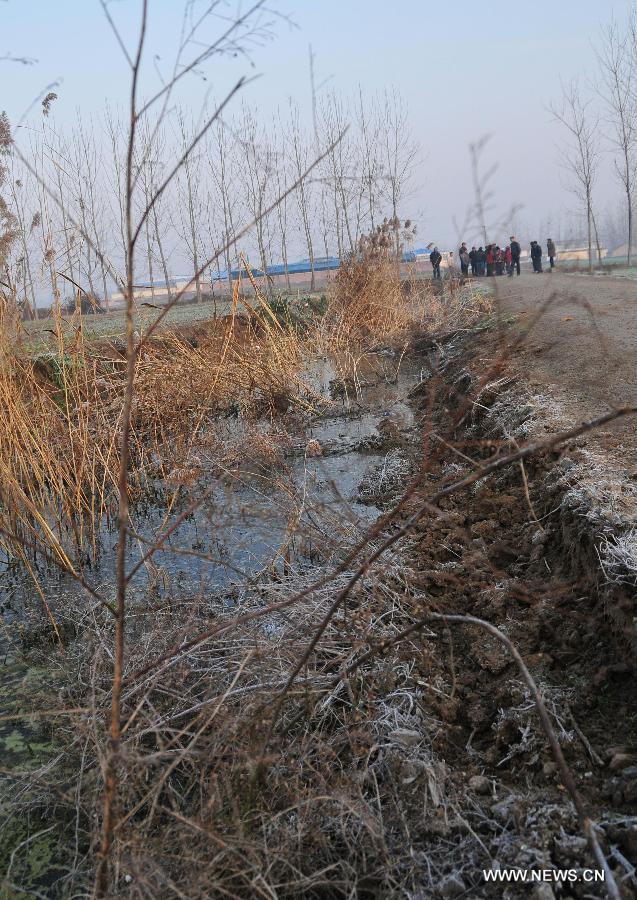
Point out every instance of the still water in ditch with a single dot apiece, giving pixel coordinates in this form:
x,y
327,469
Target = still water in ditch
x,y
297,510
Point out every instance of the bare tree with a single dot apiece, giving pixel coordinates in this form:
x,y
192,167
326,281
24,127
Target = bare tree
x,y
8,229
258,167
281,176
115,131
580,153
617,68
400,152
341,171
219,162
300,158
94,205
26,225
189,204
371,164
133,227
149,177
62,166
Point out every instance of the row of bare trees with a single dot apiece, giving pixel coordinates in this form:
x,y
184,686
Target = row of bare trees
x,y
601,120
231,175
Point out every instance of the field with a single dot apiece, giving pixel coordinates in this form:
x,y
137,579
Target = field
x,y
610,266
112,324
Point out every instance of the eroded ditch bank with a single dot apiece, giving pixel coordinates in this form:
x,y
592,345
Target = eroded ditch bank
x,y
536,551
432,753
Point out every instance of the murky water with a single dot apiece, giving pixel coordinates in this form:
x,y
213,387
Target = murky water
x,y
297,510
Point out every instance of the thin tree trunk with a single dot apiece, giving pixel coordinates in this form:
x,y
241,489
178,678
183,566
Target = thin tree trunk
x,y
597,243
629,200
193,231
160,247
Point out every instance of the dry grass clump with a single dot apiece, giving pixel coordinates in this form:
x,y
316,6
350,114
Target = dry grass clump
x,y
370,302
57,454
231,367
375,301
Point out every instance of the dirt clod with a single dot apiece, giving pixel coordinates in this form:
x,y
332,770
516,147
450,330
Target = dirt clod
x,y
622,761
480,784
451,886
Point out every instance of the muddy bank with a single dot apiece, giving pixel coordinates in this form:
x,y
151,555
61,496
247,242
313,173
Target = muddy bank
x,y
528,549
586,501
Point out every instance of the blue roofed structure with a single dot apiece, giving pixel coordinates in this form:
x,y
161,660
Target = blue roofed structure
x,y
302,267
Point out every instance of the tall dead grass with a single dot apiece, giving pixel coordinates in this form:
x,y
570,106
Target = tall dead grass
x,y
62,416
370,302
375,300
57,456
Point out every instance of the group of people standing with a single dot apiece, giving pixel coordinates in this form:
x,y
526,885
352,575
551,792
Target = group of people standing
x,y
495,260
491,260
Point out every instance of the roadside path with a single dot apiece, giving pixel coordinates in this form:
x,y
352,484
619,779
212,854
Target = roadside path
x,y
583,351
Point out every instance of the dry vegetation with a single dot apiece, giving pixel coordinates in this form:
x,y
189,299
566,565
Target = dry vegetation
x,y
215,790
339,720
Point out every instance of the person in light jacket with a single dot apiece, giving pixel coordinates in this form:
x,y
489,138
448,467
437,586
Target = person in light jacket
x,y
463,253
551,252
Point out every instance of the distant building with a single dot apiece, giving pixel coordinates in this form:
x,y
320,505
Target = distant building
x,y
576,251
623,251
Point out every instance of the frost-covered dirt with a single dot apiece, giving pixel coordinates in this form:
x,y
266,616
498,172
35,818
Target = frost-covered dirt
x,y
545,553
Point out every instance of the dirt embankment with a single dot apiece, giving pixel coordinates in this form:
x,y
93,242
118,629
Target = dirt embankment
x,y
578,361
537,550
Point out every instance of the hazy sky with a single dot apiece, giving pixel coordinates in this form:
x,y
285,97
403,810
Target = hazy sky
x,y
465,69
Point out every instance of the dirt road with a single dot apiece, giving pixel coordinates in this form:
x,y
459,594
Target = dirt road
x,y
583,351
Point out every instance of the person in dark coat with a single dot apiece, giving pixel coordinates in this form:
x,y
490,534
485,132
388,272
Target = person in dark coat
x,y
551,252
435,259
536,256
482,260
473,259
516,250
463,255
